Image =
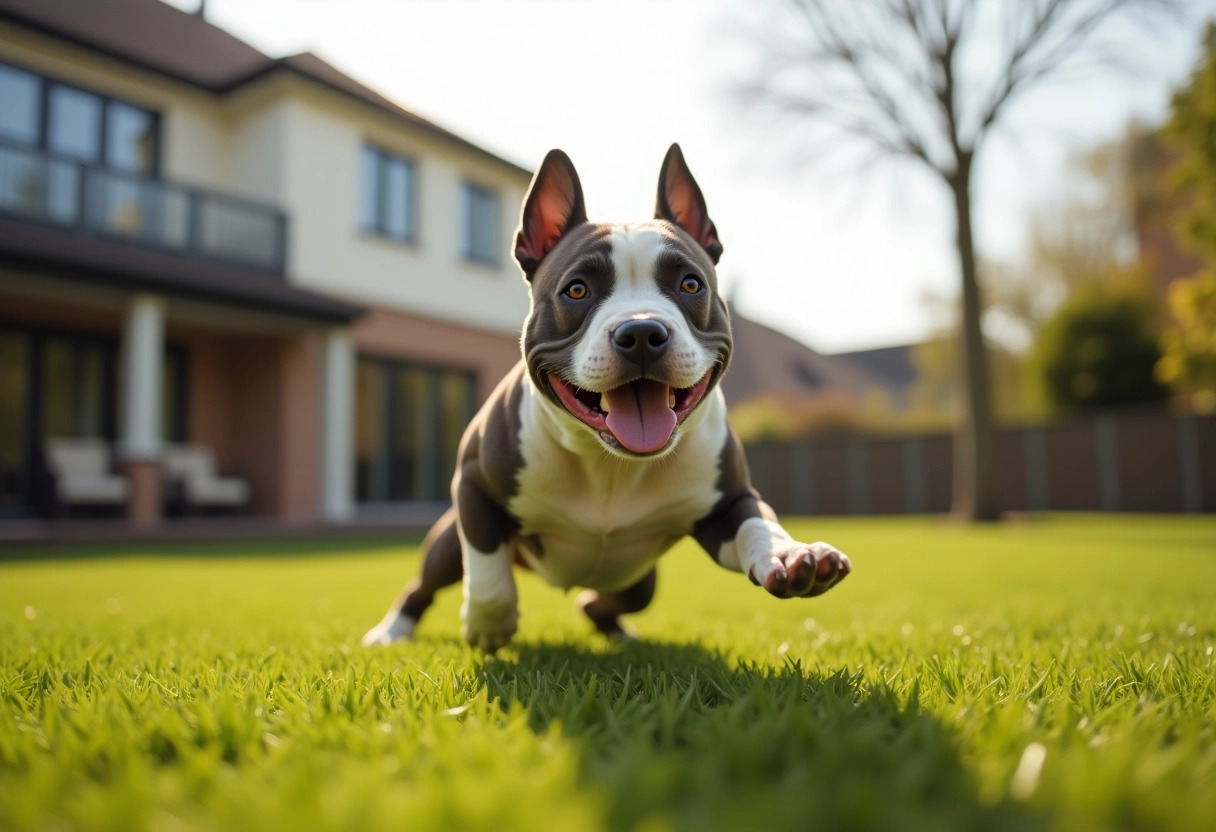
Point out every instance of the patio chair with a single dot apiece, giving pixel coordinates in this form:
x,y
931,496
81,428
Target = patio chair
x,y
195,483
81,474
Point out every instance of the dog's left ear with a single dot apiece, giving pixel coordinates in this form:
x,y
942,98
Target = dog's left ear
x,y
553,206
680,201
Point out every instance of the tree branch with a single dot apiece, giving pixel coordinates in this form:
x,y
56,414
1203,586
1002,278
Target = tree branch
x,y
900,61
1050,40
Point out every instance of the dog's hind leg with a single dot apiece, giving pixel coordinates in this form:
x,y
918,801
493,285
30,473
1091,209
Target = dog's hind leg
x,y
605,608
440,567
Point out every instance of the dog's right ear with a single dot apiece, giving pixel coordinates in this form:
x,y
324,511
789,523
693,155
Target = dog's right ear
x,y
554,205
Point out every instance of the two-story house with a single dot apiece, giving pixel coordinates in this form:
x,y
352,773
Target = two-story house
x,y
259,256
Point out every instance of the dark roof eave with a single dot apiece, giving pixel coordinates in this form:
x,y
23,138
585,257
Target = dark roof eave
x,y
67,254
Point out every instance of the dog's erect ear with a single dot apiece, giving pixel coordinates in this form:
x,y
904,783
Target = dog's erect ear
x,y
680,201
553,206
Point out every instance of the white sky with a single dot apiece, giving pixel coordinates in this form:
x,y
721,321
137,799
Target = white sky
x,y
838,259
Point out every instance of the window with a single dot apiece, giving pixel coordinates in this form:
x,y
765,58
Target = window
x,y
74,124
130,138
79,125
480,225
388,195
19,105
408,424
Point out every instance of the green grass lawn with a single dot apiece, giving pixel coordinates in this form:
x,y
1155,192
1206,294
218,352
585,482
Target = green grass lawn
x,y
1056,674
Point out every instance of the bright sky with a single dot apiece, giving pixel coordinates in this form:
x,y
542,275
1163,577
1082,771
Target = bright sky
x,y
838,259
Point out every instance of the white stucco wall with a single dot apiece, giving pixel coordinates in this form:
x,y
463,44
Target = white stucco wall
x,y
329,251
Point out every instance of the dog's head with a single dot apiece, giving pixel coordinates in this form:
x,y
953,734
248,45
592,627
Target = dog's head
x,y
627,333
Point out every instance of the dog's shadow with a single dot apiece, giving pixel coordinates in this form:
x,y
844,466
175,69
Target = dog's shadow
x,y
679,734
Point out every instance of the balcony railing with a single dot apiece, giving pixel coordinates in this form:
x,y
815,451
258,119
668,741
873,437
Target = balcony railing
x,y
137,209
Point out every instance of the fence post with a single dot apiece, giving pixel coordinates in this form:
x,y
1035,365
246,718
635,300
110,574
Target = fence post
x,y
1188,451
802,477
1035,452
859,478
915,476
1108,461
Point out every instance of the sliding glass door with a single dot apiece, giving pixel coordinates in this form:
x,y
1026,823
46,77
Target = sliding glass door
x,y
56,384
14,393
408,424
77,388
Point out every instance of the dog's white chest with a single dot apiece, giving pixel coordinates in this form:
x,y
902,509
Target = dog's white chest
x,y
594,521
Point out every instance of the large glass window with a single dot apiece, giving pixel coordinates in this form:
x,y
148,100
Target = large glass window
x,y
173,396
77,385
81,127
408,424
371,461
19,105
14,384
455,407
413,458
480,224
79,124
387,203
57,384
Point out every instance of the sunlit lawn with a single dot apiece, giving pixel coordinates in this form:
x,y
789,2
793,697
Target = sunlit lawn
x,y
221,687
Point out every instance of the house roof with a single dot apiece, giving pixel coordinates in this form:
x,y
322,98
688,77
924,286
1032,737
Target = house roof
x,y
769,363
168,41
147,33
893,365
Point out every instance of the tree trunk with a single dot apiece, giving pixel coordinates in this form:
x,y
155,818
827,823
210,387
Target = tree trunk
x,y
975,482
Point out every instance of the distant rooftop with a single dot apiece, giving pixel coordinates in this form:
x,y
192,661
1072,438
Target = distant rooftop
x,y
891,364
770,363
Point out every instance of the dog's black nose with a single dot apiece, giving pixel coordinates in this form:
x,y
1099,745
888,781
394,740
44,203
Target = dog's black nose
x,y
643,342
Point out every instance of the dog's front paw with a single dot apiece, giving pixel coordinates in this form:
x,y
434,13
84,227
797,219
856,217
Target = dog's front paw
x,y
798,570
393,627
489,625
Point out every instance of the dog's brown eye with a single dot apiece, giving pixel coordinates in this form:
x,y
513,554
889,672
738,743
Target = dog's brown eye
x,y
691,285
576,290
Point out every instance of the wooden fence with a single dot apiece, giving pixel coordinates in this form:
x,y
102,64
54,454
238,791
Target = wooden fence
x,y
1132,460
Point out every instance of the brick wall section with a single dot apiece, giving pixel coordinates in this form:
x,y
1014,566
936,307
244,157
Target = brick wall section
x,y
276,423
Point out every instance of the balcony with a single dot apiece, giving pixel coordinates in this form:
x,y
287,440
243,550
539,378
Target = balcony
x,y
123,207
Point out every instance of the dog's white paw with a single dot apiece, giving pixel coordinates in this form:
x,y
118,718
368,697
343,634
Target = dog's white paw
x,y
490,624
393,627
801,570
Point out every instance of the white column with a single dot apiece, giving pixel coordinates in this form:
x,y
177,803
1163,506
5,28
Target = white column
x,y
338,418
142,354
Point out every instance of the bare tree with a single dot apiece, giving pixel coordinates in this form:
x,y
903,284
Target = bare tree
x,y
927,80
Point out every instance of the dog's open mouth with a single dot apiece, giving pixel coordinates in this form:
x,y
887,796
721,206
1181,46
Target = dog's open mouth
x,y
641,416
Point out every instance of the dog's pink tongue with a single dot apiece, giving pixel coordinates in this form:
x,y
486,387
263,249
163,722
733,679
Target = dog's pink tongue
x,y
639,417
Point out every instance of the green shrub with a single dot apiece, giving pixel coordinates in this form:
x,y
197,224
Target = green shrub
x,y
1099,350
